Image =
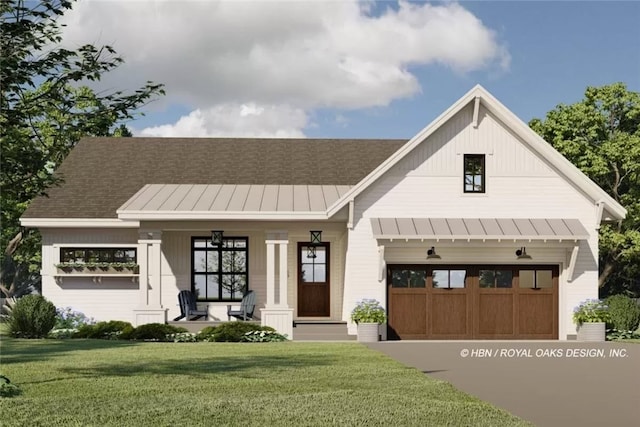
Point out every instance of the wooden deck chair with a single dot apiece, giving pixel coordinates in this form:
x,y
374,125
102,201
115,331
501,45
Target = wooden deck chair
x,y
188,307
247,306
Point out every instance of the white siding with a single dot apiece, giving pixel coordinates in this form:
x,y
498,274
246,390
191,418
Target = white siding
x,y
429,183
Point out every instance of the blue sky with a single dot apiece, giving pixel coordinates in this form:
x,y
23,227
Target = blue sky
x,y
531,55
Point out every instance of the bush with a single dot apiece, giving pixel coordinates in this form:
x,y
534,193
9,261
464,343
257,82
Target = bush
x,y
235,331
112,330
32,317
182,337
206,334
155,332
368,311
264,336
624,313
66,318
591,311
7,389
615,335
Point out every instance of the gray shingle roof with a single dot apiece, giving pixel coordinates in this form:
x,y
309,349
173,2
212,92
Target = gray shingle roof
x,y
100,174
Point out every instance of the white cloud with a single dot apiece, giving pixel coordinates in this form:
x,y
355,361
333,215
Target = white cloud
x,y
247,120
311,54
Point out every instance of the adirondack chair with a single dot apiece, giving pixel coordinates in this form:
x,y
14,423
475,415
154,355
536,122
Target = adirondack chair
x,y
188,307
247,306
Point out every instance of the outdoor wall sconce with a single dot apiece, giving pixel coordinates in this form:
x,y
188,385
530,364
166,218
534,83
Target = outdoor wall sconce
x,y
431,253
315,238
216,237
522,253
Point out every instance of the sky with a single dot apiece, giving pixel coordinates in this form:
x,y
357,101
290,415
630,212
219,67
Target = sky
x,y
349,69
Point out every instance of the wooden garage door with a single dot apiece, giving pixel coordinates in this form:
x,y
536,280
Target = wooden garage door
x,y
472,302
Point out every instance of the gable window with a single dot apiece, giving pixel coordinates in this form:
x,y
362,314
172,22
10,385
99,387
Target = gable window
x,y
219,272
474,173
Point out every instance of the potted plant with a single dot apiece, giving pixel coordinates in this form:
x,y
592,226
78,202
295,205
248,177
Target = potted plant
x,y
368,314
591,317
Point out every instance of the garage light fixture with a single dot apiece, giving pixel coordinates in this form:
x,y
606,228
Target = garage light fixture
x,y
431,253
522,253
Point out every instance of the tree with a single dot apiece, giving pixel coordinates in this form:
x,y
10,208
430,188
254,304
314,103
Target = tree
x,y
45,108
601,136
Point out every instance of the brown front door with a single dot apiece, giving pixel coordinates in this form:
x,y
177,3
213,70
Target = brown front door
x,y
472,302
313,281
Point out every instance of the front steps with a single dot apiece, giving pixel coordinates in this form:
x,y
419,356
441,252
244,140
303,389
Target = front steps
x,y
303,330
320,330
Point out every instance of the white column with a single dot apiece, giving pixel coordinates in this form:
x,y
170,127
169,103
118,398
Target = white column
x,y
283,274
150,277
279,316
271,273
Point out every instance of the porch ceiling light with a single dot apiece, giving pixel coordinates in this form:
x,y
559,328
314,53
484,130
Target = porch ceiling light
x,y
315,238
216,237
522,253
431,253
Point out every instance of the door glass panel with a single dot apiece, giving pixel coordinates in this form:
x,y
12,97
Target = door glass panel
x,y
487,278
307,273
320,255
527,278
457,278
417,278
504,278
440,278
319,273
544,279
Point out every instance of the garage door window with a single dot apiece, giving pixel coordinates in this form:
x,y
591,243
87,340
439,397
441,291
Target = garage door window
x,y
449,279
536,279
495,278
409,278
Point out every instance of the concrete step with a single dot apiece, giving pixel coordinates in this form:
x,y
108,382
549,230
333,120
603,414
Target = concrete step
x,y
321,331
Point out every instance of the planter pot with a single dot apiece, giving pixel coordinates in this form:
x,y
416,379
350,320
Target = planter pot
x,y
592,332
368,332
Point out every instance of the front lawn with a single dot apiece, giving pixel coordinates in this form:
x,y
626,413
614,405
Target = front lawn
x,y
98,383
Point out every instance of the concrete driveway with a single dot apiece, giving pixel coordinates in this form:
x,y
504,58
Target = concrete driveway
x,y
550,383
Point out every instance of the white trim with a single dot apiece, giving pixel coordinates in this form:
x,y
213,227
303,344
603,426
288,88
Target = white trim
x,y
476,111
381,263
225,215
77,223
350,220
599,212
532,139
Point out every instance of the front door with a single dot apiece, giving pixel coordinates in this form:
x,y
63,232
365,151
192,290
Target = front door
x,y
313,281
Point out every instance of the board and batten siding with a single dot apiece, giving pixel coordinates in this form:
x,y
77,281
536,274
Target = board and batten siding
x,y
113,299
428,182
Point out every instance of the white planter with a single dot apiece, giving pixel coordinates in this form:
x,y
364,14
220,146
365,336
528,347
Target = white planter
x,y
592,332
368,332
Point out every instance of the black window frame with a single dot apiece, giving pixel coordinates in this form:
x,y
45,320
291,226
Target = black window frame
x,y
483,180
105,254
236,296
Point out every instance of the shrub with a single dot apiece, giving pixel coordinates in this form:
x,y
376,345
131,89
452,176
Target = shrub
x,y
235,331
263,336
7,389
591,311
624,313
155,332
111,330
182,337
62,334
66,318
368,311
614,335
32,317
206,334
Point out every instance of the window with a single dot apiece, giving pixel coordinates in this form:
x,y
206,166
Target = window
x,y
219,273
449,278
536,279
495,278
474,175
408,278
88,255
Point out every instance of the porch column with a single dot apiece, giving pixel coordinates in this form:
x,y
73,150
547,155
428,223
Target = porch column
x,y
278,315
149,254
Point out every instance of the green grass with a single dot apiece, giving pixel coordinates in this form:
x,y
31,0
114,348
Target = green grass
x,y
111,383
